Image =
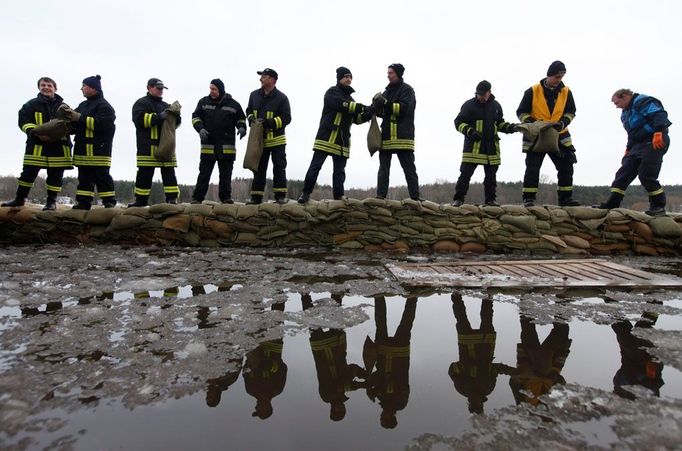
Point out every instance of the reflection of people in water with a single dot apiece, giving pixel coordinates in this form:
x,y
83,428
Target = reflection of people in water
x,y
637,366
265,373
335,376
475,375
390,383
538,366
217,385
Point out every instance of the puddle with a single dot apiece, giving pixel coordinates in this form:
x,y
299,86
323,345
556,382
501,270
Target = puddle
x,y
276,362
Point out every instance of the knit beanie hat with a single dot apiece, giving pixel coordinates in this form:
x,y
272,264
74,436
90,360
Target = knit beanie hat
x,y
218,83
398,68
342,72
93,82
556,68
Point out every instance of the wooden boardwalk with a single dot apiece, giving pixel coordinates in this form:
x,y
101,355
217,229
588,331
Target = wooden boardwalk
x,y
528,273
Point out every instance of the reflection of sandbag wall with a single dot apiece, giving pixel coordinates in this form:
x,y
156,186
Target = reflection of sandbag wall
x,y
371,224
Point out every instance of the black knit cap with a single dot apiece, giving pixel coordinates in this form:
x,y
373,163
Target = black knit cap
x,y
342,72
93,82
483,87
556,68
398,68
218,83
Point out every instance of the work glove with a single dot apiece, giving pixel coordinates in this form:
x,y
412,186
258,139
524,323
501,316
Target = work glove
x,y
163,115
378,101
204,134
474,135
242,132
558,126
512,128
658,142
251,119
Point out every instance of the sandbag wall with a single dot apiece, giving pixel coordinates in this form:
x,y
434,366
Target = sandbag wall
x,y
371,224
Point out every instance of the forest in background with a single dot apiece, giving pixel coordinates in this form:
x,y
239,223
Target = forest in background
x,y
440,192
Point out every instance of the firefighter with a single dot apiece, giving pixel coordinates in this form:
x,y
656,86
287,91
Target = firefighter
x,y
333,135
646,123
396,107
216,118
390,383
270,106
334,375
475,374
550,100
149,112
479,120
93,123
55,157
539,366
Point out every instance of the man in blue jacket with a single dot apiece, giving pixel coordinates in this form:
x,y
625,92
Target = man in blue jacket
x,y
646,123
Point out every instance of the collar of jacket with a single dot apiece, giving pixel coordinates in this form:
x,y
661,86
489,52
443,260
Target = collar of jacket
x,y
263,94
490,99
224,99
46,99
154,98
395,85
346,89
99,95
557,89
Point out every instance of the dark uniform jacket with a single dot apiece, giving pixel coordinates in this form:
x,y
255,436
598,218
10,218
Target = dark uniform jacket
x,y
275,111
487,119
539,103
220,117
148,127
94,132
397,127
339,112
644,117
38,153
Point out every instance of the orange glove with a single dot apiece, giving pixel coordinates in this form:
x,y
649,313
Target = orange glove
x,y
657,142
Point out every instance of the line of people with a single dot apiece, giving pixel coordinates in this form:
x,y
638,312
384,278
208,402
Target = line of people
x,y
219,118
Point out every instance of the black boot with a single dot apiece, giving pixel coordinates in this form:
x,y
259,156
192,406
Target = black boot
x,y
528,201
172,201
140,201
82,206
109,203
255,200
303,198
566,199
17,202
613,201
50,203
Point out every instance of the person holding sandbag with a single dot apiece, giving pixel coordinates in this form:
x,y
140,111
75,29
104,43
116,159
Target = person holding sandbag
x,y
42,152
149,113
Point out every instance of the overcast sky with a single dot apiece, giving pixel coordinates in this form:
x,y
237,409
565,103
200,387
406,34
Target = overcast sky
x,y
446,47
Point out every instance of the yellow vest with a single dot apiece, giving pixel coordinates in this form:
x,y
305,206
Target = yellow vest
x,y
539,109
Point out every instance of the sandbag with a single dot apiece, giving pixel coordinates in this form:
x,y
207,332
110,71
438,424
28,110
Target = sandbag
x,y
53,130
373,136
166,149
542,135
254,147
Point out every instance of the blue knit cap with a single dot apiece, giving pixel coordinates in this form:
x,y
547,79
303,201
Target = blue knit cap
x,y
93,82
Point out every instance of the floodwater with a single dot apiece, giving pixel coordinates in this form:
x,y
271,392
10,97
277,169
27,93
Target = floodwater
x,y
189,367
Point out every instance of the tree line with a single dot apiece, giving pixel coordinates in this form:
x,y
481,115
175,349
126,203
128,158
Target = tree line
x,y
439,192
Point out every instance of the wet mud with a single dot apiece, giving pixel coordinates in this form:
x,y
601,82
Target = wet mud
x,y
133,347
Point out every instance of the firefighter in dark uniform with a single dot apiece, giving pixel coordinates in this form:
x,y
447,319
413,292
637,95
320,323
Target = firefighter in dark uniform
x,y
265,373
396,107
335,376
339,112
637,365
552,101
149,112
217,385
216,118
479,120
94,129
538,366
475,374
390,383
646,123
41,154
271,107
